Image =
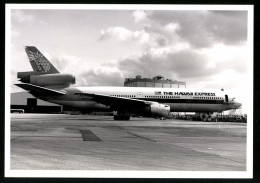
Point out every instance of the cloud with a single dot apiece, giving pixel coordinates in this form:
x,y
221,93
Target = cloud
x,y
229,27
139,16
104,75
65,63
178,63
22,17
172,27
124,34
202,28
183,64
15,33
228,57
162,41
42,22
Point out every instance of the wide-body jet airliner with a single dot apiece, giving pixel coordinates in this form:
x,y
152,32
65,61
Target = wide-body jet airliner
x,y
46,83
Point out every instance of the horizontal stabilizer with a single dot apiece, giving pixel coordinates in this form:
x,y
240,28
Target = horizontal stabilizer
x,y
39,91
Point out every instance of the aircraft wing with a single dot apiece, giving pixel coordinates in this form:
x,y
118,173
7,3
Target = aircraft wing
x,y
117,102
39,91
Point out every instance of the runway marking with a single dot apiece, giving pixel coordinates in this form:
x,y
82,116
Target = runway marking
x,y
210,154
142,137
135,135
88,135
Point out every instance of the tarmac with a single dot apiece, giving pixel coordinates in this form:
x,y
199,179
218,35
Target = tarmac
x,y
88,142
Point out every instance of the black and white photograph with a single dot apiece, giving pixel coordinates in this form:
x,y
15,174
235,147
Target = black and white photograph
x,y
129,91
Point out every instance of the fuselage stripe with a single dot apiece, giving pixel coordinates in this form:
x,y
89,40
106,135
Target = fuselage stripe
x,y
169,100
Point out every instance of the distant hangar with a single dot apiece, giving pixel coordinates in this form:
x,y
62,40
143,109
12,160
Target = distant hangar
x,y
25,102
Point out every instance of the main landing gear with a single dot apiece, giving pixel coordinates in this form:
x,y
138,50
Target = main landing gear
x,y
121,115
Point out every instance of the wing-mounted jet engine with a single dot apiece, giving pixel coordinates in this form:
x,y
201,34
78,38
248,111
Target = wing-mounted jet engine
x,y
44,74
158,109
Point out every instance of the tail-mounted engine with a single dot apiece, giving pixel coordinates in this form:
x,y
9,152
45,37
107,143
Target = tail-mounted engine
x,y
46,79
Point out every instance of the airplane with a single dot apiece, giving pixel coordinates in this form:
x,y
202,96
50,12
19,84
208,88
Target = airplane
x,y
47,83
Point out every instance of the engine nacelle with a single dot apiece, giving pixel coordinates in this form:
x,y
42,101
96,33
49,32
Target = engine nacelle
x,y
160,109
50,79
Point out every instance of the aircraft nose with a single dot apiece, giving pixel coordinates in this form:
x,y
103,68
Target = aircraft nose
x,y
237,105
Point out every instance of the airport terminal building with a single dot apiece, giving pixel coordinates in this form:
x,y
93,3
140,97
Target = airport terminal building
x,y
155,82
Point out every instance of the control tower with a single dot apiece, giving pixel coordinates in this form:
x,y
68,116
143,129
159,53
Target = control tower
x,y
156,82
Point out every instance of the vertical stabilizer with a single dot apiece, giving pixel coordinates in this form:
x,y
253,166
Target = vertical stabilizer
x,y
39,62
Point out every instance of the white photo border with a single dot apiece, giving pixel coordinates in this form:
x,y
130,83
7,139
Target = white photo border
x,y
127,174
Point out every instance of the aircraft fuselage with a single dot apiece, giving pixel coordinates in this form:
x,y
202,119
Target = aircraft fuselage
x,y
179,99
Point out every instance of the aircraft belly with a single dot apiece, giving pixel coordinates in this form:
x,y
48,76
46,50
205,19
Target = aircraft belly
x,y
83,105
184,107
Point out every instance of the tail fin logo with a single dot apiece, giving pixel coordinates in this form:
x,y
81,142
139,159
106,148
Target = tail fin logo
x,y
41,62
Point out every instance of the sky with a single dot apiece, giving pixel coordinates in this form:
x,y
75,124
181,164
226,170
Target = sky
x,y
205,48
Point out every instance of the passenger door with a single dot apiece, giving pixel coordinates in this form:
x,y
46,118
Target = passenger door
x,y
139,95
226,98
